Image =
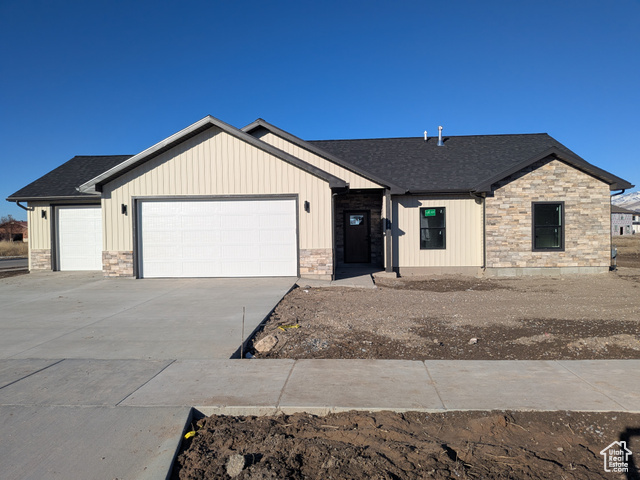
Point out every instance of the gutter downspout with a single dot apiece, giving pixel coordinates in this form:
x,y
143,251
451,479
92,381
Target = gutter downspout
x,y
483,199
28,209
389,250
613,266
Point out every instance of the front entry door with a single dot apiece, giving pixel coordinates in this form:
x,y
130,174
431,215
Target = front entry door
x,y
357,237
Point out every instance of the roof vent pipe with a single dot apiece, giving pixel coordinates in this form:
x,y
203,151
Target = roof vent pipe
x,y
425,135
440,142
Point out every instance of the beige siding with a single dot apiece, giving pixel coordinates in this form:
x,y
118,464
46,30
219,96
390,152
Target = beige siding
x,y
39,228
463,233
353,179
216,163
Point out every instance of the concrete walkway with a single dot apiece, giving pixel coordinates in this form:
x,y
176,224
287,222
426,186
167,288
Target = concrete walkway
x,y
72,418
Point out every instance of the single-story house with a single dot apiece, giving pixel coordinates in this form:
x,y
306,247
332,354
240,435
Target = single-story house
x,y
213,200
622,221
14,231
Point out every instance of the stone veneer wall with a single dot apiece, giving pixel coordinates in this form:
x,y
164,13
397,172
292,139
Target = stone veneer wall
x,y
117,264
587,218
360,201
316,262
40,259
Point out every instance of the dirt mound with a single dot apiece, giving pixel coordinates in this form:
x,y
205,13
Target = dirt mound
x,y
386,445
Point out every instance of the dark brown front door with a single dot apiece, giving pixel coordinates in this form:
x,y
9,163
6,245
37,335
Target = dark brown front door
x,y
357,237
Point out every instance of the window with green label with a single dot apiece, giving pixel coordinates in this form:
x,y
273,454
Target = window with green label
x,y
433,233
548,226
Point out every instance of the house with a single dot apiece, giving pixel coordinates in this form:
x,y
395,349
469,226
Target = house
x,y
622,221
213,200
635,222
14,231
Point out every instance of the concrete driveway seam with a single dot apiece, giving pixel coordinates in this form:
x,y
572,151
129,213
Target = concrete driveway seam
x,y
285,385
563,363
32,373
139,387
433,384
590,384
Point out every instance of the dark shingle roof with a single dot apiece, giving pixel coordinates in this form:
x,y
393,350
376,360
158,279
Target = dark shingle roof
x,y
62,181
616,209
460,165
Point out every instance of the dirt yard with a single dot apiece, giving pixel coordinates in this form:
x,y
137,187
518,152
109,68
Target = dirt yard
x,y
386,445
628,250
13,273
457,317
450,317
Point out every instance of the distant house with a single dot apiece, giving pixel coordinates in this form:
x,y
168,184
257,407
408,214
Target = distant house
x,y
14,231
213,200
622,221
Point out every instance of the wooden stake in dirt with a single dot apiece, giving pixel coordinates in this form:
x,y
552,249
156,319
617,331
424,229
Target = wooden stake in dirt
x,y
242,337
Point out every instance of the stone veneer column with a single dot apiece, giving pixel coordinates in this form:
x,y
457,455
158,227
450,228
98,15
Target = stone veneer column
x,y
360,201
586,217
117,264
40,259
317,262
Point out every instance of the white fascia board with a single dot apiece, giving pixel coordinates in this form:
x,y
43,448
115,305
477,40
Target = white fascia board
x,y
89,187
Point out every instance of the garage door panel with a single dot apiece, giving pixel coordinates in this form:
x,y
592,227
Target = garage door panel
x,y
79,237
218,238
200,269
274,237
278,268
280,222
199,237
197,253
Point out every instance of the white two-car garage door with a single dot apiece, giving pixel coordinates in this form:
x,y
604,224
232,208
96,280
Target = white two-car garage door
x,y
218,238
79,237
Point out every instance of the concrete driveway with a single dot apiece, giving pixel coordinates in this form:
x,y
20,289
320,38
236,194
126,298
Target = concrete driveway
x,y
57,315
74,346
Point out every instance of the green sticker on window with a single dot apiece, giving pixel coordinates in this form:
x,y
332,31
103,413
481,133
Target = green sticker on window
x,y
429,212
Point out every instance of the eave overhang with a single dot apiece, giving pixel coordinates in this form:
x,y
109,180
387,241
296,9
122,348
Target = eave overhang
x,y
615,183
89,196
95,184
260,123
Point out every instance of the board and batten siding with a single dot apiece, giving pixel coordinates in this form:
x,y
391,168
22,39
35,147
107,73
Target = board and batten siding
x,y
464,234
353,179
215,163
39,228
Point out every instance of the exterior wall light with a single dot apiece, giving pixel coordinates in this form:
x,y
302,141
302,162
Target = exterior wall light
x,y
307,206
43,214
123,208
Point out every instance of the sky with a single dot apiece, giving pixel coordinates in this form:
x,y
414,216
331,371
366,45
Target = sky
x,y
115,77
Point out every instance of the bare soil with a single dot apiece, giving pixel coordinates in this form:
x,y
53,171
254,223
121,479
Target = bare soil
x,y
411,445
628,250
457,317
13,273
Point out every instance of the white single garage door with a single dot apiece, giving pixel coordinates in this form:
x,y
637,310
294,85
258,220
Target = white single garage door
x,y
79,236
218,238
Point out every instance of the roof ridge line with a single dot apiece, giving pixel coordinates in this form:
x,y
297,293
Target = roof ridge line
x,y
421,138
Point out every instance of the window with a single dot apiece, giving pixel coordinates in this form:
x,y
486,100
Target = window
x,y
433,233
548,225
